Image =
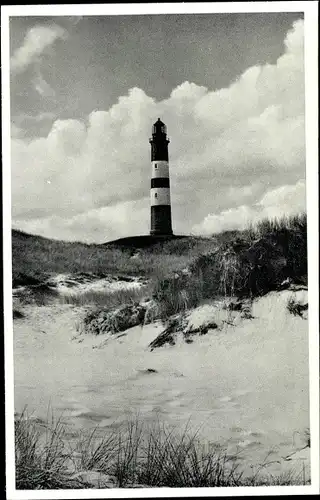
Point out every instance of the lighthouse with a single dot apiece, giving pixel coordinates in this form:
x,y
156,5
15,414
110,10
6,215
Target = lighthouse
x,y
161,224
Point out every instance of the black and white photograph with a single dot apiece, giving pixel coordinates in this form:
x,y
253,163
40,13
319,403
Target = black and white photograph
x,y
160,249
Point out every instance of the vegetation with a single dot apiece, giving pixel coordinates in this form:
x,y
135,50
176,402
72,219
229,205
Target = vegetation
x,y
247,261
296,308
182,273
108,299
41,466
128,456
102,321
251,263
35,259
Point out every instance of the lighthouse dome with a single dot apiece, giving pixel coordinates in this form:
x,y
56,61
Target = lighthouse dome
x,y
159,127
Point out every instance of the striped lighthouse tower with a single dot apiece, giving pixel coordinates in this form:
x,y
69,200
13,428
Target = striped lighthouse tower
x,y
160,184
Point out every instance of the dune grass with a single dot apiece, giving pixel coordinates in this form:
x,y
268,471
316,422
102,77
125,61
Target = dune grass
x,y
41,465
232,254
129,455
109,299
182,273
35,258
244,264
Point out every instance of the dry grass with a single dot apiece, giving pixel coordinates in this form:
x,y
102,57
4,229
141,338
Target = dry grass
x,y
132,454
35,258
249,264
106,298
182,273
41,465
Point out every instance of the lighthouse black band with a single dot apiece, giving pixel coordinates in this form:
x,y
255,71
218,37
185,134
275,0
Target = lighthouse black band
x,y
160,182
161,219
159,150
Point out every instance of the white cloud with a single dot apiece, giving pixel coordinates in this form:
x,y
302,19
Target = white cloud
x,y
282,201
41,86
100,224
36,41
229,147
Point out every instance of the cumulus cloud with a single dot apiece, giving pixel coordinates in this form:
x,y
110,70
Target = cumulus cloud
x,y
94,226
230,147
36,41
279,202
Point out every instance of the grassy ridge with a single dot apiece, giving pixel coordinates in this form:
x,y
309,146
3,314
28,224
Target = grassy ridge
x,y
182,273
34,258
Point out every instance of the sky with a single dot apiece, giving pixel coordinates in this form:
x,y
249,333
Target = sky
x,y
85,91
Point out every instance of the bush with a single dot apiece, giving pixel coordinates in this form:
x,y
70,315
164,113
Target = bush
x,y
102,321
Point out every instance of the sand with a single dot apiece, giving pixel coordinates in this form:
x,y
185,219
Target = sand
x,y
243,385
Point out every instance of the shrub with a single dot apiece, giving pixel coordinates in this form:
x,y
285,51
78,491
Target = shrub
x,y
102,321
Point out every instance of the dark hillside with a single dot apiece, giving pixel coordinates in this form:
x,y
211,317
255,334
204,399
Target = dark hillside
x,y
144,241
35,258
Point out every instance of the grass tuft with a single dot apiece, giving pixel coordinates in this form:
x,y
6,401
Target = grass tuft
x,y
41,465
128,456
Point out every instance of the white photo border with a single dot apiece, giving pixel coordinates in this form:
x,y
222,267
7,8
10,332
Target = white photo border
x,y
310,11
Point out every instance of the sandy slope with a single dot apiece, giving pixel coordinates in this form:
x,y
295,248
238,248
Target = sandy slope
x,y
244,385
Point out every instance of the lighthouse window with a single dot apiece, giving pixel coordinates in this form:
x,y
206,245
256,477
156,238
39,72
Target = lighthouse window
x,y
156,165
156,195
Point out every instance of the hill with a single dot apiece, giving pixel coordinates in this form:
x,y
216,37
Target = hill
x,y
253,261
143,241
35,258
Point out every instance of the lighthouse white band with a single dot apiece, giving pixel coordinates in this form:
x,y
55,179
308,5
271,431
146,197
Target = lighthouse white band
x,y
160,168
160,196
